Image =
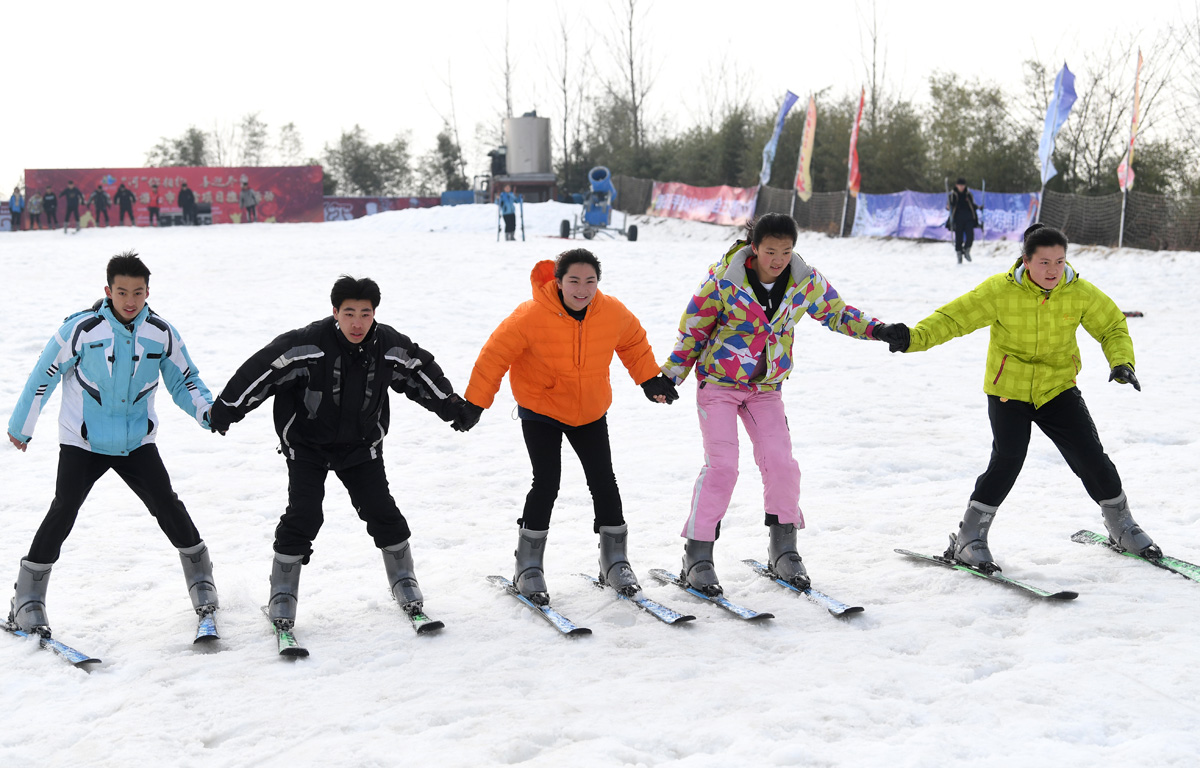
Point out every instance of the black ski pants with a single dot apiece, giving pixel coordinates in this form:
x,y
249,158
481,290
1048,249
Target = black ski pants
x,y
144,473
52,218
1068,424
125,210
153,215
591,445
71,211
964,238
368,488
510,223
102,212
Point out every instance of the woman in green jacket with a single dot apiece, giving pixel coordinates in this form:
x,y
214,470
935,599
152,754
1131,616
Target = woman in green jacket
x,y
1034,311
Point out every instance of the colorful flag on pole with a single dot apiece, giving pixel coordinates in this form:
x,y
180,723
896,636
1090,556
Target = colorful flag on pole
x,y
1125,169
854,179
803,174
1056,114
769,151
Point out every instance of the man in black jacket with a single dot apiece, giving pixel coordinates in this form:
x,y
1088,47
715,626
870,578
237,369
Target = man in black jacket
x,y
187,202
73,196
124,200
330,382
99,201
50,205
963,218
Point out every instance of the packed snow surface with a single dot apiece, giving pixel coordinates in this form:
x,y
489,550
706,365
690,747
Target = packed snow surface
x,y
941,667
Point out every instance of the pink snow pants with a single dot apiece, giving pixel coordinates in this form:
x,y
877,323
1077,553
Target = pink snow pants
x,y
763,416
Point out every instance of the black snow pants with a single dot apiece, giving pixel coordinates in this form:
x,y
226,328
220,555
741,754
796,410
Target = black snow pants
x,y
591,444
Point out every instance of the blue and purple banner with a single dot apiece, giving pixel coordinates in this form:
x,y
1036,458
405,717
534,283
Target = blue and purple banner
x,y
1057,111
769,150
921,215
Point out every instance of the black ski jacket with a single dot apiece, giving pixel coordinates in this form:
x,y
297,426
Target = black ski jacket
x,y
331,398
186,198
73,196
124,198
963,210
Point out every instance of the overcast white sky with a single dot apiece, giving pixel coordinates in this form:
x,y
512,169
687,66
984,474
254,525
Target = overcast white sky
x,y
97,84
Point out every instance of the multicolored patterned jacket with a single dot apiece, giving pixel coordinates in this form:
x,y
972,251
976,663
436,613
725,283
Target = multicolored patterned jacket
x,y
1033,355
724,331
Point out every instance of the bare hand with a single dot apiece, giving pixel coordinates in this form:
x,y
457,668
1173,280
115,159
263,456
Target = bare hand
x,y
20,446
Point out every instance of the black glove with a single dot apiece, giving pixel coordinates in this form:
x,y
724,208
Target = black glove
x,y
1123,374
660,385
895,334
219,418
468,416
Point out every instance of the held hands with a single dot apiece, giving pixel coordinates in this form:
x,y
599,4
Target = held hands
x,y
468,416
1123,374
660,389
895,334
217,419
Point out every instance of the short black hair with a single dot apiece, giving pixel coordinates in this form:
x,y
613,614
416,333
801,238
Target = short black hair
x,y
960,180
772,225
575,256
1040,235
129,265
348,288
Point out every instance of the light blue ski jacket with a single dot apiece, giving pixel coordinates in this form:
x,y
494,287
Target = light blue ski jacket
x,y
110,372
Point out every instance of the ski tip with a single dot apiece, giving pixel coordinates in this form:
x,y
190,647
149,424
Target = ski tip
x,y
1066,594
578,632
848,611
294,653
760,617
430,627
206,639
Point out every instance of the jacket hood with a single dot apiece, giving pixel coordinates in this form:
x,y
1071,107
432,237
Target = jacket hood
x,y
735,271
545,287
1018,274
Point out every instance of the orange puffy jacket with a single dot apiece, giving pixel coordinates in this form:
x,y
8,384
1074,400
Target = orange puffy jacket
x,y
558,366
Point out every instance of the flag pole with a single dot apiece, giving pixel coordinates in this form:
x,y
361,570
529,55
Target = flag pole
x,y
1121,233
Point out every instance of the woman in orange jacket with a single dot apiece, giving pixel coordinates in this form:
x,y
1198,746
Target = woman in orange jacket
x,y
557,349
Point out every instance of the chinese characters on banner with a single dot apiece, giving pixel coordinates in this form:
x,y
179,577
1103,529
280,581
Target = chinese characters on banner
x,y
715,205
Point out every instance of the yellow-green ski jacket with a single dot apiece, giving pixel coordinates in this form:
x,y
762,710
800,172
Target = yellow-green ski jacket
x,y
1033,355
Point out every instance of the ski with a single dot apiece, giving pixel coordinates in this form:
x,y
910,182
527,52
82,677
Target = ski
x,y
1172,564
421,623
996,577
206,627
657,610
719,600
65,652
556,619
834,606
289,647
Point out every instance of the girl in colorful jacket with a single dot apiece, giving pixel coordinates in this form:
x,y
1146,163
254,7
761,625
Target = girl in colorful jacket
x,y
738,332
1034,311
557,349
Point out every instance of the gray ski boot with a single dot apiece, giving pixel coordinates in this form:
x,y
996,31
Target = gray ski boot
x,y
398,561
28,607
614,564
967,254
285,586
698,569
529,577
782,557
1124,532
197,571
970,546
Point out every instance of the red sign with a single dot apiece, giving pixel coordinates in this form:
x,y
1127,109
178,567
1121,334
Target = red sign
x,y
346,208
716,205
285,194
854,179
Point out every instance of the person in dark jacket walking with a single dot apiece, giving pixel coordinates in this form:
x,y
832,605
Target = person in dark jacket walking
x,y
73,196
963,219
124,200
99,203
50,204
187,202
330,382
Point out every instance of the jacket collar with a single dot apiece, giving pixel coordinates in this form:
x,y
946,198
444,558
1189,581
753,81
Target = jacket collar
x,y
736,271
106,311
1020,276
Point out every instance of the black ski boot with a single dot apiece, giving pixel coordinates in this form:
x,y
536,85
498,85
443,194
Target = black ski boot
x,y
782,557
698,569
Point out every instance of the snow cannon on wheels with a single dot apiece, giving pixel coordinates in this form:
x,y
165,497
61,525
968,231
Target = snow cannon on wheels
x,y
597,210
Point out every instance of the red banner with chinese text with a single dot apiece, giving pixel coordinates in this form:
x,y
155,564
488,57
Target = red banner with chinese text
x,y
347,208
715,205
285,194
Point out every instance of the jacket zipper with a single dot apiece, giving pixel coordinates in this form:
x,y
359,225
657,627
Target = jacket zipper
x,y
1003,360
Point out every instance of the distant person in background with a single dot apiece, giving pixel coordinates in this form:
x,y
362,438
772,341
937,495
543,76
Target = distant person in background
x,y
73,196
154,202
99,203
124,200
50,203
16,206
187,202
35,211
963,219
249,201
508,210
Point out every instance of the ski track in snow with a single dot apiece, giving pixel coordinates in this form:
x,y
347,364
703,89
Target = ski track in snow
x,y
941,667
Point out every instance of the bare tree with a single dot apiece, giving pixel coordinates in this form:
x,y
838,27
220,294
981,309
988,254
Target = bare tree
x,y
569,73
252,150
290,147
224,141
875,69
627,47
1187,109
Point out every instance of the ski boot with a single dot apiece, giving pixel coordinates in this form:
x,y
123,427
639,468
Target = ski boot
x,y
27,611
967,254
782,558
1124,532
970,546
960,255
197,571
529,577
615,570
398,561
698,570
285,584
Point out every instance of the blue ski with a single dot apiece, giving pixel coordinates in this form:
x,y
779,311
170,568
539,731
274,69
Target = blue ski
x,y
997,577
835,607
719,600
206,628
63,651
657,610
556,619
1172,564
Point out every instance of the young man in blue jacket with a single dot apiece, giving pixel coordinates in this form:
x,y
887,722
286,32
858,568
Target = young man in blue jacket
x,y
109,359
